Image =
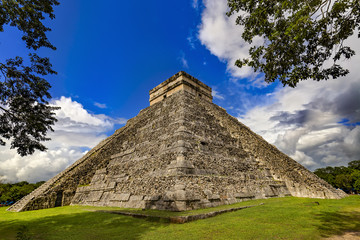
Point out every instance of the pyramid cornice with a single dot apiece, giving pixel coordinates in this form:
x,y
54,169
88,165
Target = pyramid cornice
x,y
181,81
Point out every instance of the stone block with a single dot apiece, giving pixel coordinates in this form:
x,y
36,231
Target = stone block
x,y
111,185
94,196
180,205
113,197
179,187
181,143
123,153
214,197
102,186
96,186
231,201
82,189
180,195
124,197
120,197
135,204
119,176
208,193
97,178
204,203
136,198
152,198
105,198
100,171
77,198
193,196
269,192
169,196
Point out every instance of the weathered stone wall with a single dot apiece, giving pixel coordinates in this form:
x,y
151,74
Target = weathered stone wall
x,y
180,159
79,173
300,181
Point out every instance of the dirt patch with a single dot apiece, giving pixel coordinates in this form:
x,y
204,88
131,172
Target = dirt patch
x,y
345,236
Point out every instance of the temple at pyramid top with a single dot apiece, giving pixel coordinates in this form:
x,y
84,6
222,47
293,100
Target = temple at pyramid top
x,y
178,82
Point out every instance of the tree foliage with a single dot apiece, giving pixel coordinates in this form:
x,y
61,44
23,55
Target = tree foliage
x,y
10,193
302,39
345,178
25,116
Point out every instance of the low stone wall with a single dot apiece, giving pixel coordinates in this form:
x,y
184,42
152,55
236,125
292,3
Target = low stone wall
x,y
179,219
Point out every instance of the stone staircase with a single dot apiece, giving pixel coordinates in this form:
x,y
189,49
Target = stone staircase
x,y
19,205
23,202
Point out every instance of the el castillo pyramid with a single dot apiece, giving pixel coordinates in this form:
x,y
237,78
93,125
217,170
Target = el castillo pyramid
x,y
182,152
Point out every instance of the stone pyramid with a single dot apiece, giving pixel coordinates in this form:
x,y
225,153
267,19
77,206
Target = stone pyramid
x,y
182,152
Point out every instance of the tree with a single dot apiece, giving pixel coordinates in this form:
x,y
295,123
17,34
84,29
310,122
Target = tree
x,y
328,174
346,178
354,165
343,181
25,115
357,185
14,192
300,37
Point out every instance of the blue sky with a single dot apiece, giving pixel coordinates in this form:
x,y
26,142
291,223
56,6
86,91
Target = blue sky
x,y
111,53
125,49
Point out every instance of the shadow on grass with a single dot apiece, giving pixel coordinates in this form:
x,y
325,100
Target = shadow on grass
x,y
87,225
337,223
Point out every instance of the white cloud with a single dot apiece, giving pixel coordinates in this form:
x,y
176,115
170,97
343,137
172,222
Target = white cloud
x,y
183,60
307,122
100,105
121,121
195,4
37,167
191,41
74,113
76,132
222,37
217,95
352,141
303,159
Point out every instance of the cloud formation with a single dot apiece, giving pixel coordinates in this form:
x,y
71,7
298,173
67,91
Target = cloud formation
x,y
191,40
76,132
100,105
183,60
217,95
221,36
316,123
195,4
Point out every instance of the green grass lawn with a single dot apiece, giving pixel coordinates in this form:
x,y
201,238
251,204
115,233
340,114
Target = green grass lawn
x,y
278,218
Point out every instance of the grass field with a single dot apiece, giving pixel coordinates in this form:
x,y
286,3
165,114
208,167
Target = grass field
x,y
278,218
